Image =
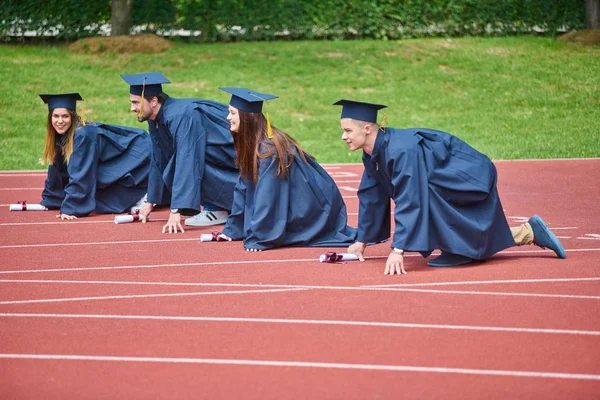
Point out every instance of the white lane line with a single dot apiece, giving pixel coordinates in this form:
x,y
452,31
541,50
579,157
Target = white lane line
x,y
217,263
200,264
305,364
73,222
312,287
16,246
306,322
22,173
262,285
140,296
475,292
29,188
449,283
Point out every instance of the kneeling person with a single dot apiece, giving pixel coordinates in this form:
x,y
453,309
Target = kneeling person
x,y
193,160
444,193
283,196
94,167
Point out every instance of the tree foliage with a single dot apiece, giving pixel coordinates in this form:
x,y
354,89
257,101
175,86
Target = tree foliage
x,y
235,20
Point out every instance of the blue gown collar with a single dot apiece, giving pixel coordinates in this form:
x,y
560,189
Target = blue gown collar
x,y
159,116
380,145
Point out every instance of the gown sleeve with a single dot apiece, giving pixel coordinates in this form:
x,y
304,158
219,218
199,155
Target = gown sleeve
x,y
190,156
234,228
373,210
409,182
157,190
54,186
80,192
269,217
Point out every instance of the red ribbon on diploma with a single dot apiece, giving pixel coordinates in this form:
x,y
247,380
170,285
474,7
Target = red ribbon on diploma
x,y
332,257
216,237
24,204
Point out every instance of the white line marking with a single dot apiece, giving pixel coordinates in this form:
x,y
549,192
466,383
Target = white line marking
x,y
306,322
40,188
97,243
551,280
263,285
3,174
558,296
305,364
217,263
73,222
313,287
348,188
138,296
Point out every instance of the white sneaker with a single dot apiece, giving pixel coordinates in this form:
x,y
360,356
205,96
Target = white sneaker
x,y
139,204
207,218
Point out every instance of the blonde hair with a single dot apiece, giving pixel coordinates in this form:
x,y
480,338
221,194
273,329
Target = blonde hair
x,y
49,153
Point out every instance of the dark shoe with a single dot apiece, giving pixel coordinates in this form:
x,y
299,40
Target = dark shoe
x,y
449,260
543,236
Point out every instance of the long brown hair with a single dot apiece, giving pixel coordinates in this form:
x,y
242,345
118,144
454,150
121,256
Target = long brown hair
x,y
49,153
252,131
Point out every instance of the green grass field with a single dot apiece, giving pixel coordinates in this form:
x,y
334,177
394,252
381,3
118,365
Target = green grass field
x,y
515,97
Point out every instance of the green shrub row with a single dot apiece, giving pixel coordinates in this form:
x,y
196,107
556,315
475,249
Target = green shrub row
x,y
237,20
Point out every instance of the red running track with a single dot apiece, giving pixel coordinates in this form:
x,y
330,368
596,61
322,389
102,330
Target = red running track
x,y
94,310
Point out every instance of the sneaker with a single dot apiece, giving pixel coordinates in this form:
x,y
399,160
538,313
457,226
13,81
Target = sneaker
x,y
543,236
139,204
207,218
449,260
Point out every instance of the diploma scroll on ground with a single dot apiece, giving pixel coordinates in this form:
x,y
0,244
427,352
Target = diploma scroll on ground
x,y
22,206
124,219
335,257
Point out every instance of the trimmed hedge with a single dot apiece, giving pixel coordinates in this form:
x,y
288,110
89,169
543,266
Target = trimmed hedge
x,y
235,20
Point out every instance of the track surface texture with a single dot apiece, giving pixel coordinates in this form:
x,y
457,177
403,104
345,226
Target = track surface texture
x,y
94,310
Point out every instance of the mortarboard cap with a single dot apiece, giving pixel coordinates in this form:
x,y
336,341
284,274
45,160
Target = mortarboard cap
x,y
66,100
150,83
358,110
247,100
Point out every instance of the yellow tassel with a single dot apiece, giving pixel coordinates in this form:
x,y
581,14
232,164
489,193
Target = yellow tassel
x,y
383,122
82,116
269,129
142,98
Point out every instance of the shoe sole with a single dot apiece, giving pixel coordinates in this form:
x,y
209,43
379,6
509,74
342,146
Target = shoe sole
x,y
560,252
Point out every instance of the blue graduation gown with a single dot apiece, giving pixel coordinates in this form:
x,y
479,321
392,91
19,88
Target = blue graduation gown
x,y
107,171
193,158
444,193
306,209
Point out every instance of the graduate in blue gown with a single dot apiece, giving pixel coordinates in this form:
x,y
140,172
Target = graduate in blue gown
x,y
444,194
193,160
283,197
94,167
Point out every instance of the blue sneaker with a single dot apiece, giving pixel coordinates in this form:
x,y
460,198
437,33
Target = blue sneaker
x,y
449,260
543,236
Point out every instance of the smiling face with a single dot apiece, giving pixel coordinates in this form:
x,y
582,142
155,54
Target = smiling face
x,y
354,133
61,120
359,134
136,107
234,119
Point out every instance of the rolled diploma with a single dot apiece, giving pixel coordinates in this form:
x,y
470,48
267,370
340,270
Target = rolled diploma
x,y
345,257
206,237
27,207
123,219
